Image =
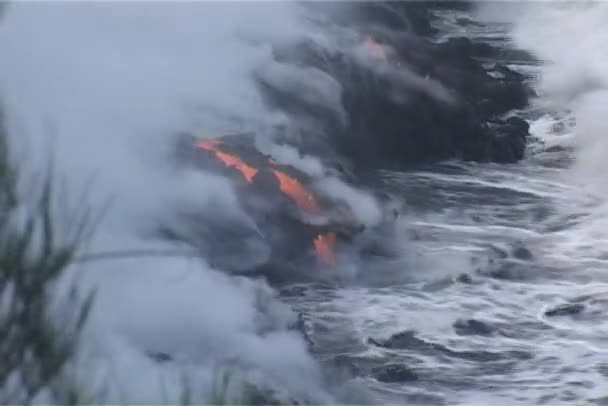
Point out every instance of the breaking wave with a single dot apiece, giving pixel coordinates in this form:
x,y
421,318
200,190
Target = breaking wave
x,y
569,37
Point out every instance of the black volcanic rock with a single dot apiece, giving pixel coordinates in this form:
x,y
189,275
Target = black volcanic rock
x,y
508,142
519,251
394,373
425,102
465,278
407,340
567,309
473,327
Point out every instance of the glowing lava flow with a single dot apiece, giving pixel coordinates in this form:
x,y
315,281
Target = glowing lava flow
x,y
324,247
228,159
323,243
294,189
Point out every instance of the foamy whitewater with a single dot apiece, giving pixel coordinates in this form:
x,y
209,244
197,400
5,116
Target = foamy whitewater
x,y
569,38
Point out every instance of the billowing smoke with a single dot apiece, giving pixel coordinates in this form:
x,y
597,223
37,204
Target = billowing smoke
x,y
376,57
364,206
309,84
288,155
103,87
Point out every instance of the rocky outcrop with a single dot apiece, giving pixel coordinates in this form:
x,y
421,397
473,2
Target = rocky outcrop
x,y
394,373
471,327
409,340
406,98
567,309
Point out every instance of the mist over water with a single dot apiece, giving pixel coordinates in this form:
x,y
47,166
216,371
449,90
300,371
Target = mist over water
x,y
570,37
104,88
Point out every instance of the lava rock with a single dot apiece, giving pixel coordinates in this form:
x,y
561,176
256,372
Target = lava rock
x,y
506,149
465,278
392,116
407,340
520,125
394,373
159,357
402,340
508,139
522,253
473,327
501,96
567,309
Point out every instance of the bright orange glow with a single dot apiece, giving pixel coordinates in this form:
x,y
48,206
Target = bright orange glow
x,y
294,189
229,160
323,243
324,247
376,49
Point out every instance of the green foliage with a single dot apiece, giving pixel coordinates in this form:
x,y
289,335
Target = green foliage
x,y
37,342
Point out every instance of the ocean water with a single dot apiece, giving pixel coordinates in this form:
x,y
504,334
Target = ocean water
x,y
475,219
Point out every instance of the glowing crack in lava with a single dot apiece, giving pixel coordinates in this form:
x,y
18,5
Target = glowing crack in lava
x,y
294,189
228,159
305,200
324,247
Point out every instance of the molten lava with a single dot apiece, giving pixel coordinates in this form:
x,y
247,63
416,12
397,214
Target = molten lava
x,y
229,160
305,200
324,247
294,189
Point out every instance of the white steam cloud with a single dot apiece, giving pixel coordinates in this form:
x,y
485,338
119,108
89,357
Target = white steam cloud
x,y
105,86
288,155
570,39
364,207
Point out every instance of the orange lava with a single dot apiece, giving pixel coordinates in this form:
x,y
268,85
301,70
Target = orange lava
x,y
323,243
294,189
324,247
229,160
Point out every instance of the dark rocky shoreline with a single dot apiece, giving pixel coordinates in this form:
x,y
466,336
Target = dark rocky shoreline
x,y
419,99
423,100
385,130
